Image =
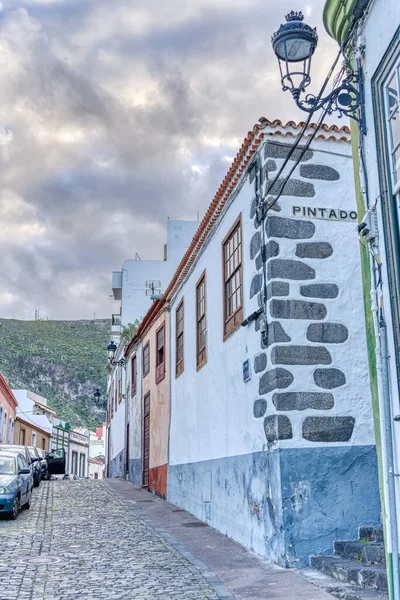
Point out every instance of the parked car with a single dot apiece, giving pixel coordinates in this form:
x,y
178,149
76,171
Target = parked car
x,y
31,458
43,463
35,458
16,483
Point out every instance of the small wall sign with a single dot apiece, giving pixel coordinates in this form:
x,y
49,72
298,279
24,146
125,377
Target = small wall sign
x,y
330,214
246,371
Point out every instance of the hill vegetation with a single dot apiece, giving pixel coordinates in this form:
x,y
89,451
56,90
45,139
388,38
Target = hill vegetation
x,y
64,361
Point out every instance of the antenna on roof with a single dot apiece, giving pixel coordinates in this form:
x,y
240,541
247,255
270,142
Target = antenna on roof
x,y
198,216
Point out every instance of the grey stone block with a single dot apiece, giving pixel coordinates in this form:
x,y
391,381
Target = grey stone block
x,y
319,290
293,229
293,187
270,165
303,401
283,268
260,362
268,251
257,223
327,333
253,208
259,408
329,379
314,250
275,334
255,244
276,150
328,429
277,427
255,285
277,288
300,355
319,172
275,379
297,309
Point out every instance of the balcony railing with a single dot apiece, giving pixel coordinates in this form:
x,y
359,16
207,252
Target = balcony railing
x,y
116,320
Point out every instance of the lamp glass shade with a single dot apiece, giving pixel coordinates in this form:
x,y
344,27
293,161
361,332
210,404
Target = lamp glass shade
x,y
294,48
111,350
294,41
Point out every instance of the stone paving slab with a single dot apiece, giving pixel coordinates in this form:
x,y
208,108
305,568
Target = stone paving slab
x,y
243,574
79,540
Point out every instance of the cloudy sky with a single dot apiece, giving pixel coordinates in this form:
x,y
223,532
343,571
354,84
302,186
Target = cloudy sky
x,y
114,115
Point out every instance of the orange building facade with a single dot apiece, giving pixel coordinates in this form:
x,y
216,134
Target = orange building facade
x,y
8,405
155,405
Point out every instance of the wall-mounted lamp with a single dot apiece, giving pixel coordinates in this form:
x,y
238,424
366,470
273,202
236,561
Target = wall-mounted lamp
x,y
294,44
111,350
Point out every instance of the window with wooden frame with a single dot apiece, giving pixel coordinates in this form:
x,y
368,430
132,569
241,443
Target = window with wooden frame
x,y
179,339
232,279
201,336
160,353
146,359
386,102
134,375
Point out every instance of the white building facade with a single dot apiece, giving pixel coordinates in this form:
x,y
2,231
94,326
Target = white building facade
x,y
132,287
78,453
271,434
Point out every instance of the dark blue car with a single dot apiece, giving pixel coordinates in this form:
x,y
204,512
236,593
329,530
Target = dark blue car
x,y
16,484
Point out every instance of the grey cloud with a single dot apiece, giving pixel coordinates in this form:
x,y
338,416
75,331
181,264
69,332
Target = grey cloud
x,y
114,117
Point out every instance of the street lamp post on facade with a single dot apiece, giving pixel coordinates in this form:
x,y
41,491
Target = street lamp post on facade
x,y
111,350
294,45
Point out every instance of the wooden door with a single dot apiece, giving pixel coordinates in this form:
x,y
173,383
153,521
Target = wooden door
x,y
146,440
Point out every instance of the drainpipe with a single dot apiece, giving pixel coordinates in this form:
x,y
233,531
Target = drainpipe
x,y
389,458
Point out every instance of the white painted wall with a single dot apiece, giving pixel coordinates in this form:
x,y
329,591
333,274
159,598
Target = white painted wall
x,y
379,29
78,442
135,406
212,409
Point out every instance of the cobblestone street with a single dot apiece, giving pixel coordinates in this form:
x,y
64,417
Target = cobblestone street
x,y
79,541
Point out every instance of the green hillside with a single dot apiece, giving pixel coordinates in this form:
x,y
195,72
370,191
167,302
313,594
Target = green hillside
x,y
64,361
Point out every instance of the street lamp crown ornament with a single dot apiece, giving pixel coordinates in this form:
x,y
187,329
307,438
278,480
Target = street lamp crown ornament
x,y
294,16
294,44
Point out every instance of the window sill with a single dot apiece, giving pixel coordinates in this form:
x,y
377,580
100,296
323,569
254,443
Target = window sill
x,y
179,370
201,365
237,316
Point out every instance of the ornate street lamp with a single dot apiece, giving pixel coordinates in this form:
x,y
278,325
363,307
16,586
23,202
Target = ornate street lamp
x,y
111,350
294,44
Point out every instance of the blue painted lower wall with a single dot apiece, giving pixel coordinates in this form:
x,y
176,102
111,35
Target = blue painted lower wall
x,y
284,504
135,471
117,465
